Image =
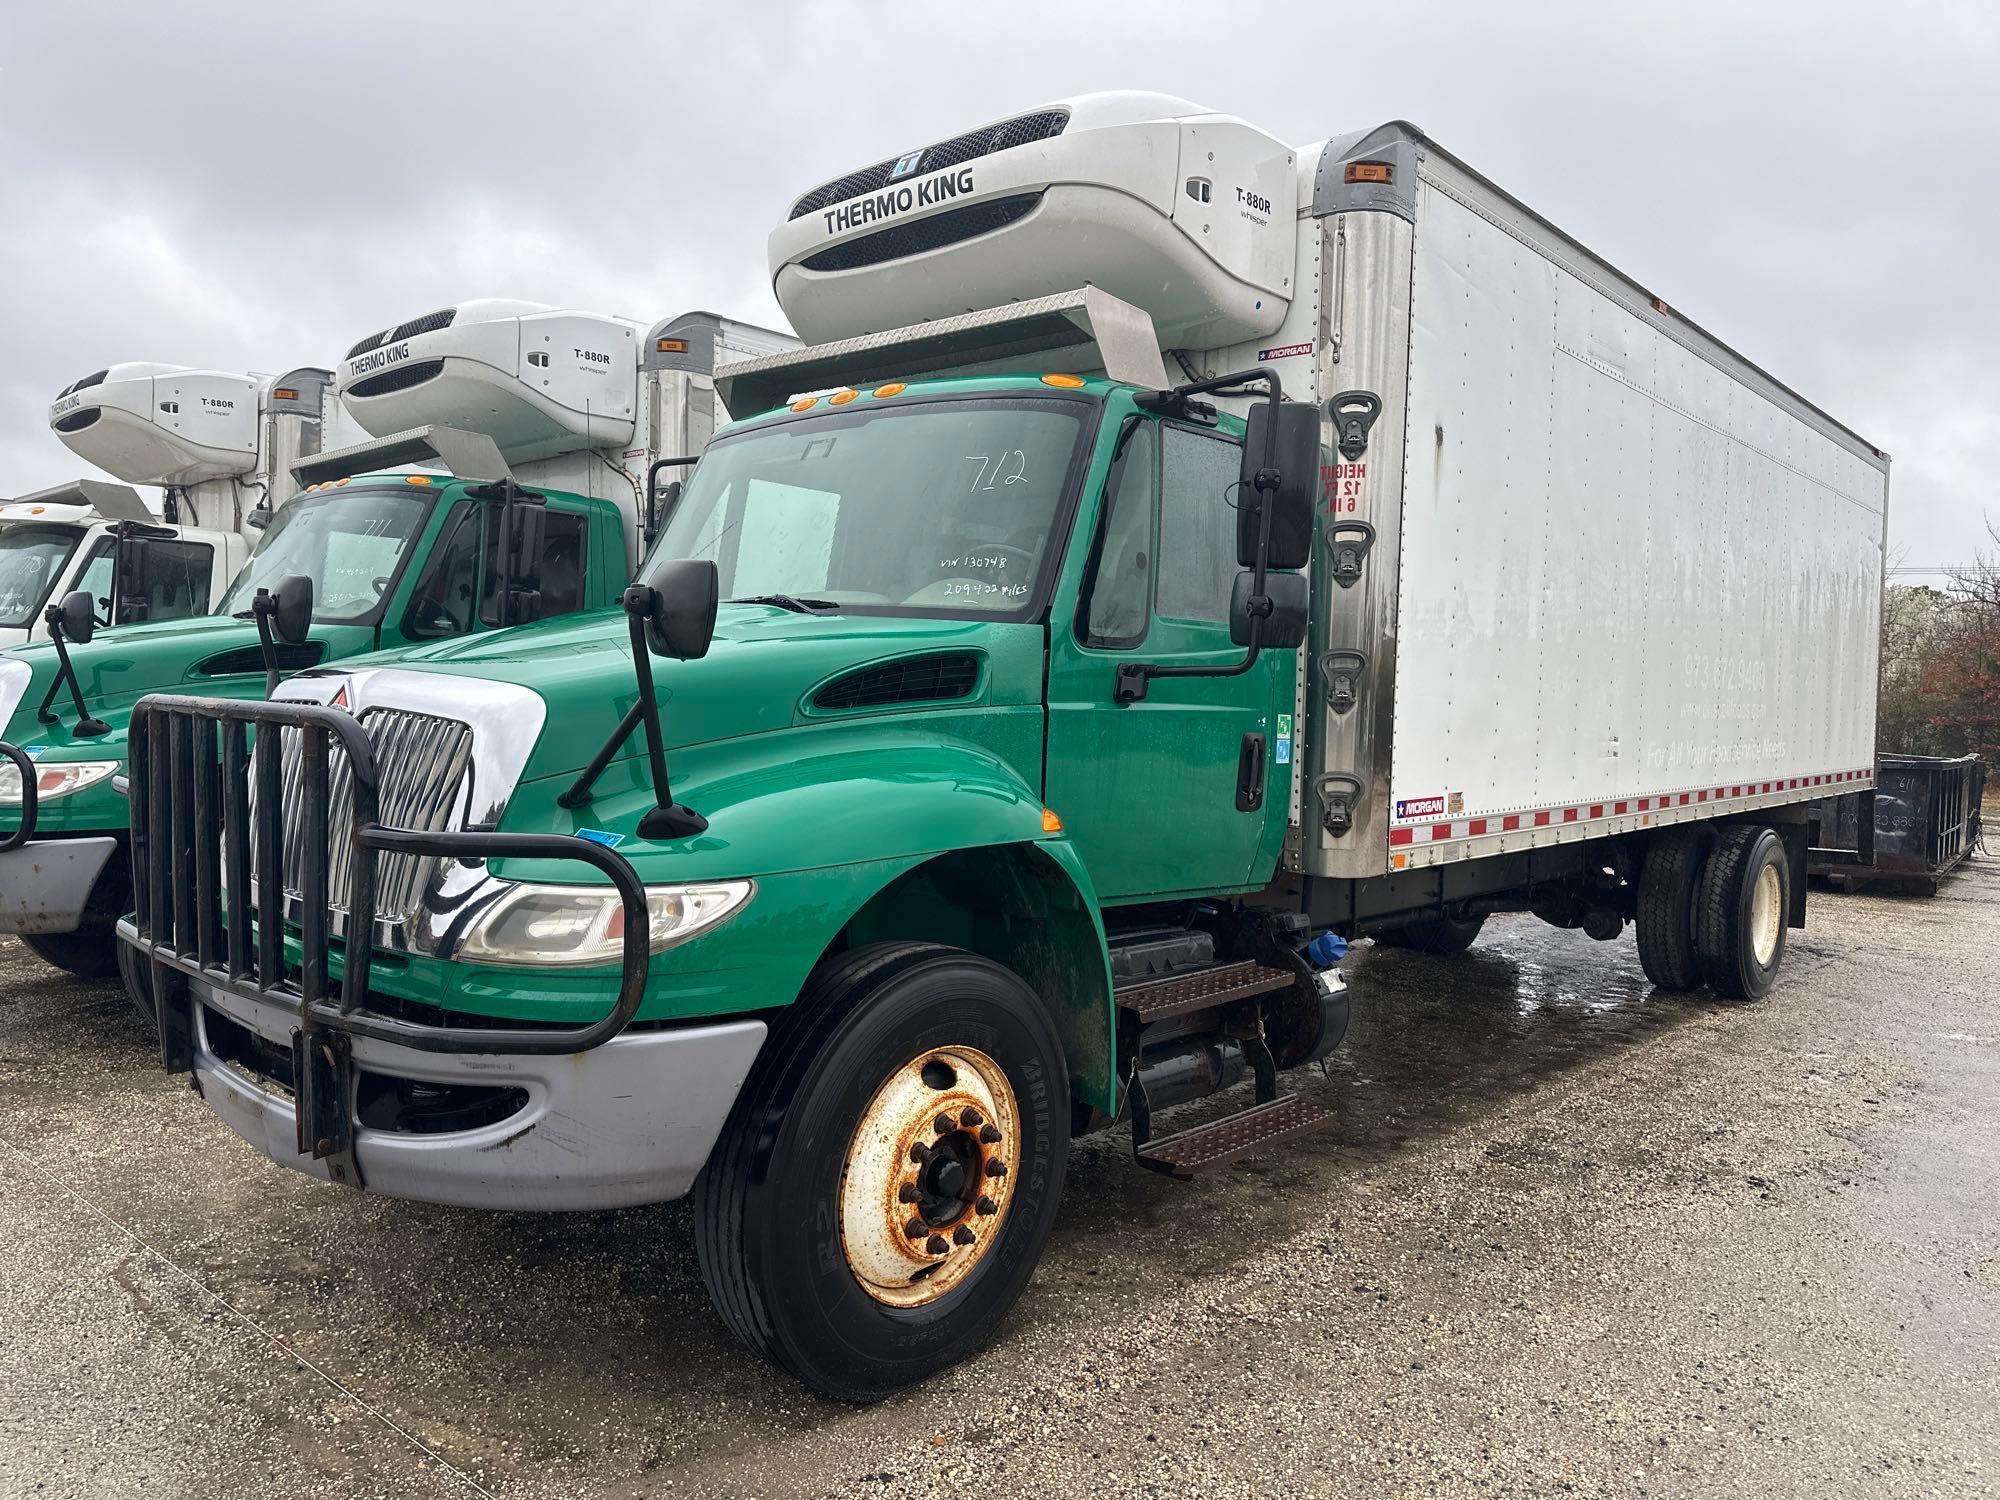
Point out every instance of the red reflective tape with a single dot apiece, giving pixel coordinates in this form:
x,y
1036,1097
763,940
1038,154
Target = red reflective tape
x,y
1698,796
1569,815
1510,823
1541,820
1684,799
1440,832
1476,827
1619,808
1597,811
1401,835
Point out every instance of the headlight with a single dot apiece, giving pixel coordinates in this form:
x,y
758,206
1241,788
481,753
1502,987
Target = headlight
x,y
58,779
573,925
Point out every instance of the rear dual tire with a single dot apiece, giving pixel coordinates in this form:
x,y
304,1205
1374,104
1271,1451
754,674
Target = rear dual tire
x,y
1714,904
801,1211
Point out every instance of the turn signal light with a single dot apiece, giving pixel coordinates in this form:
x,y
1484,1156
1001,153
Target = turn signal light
x,y
1050,822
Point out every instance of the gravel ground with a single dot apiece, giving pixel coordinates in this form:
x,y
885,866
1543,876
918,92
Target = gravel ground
x,y
1568,1237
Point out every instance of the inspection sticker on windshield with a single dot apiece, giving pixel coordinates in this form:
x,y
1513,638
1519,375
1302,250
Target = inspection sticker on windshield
x,y
1284,752
601,836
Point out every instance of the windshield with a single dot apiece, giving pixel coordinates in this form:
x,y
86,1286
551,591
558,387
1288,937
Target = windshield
x,y
31,560
348,542
944,507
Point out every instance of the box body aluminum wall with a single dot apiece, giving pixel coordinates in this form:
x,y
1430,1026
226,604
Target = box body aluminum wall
x,y
1619,576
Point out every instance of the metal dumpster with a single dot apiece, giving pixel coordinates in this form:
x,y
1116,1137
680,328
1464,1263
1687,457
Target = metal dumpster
x,y
1914,828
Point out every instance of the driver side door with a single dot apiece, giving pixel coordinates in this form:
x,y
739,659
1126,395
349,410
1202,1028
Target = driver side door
x,y
1149,790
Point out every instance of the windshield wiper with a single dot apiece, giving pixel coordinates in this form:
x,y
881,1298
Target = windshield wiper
x,y
789,601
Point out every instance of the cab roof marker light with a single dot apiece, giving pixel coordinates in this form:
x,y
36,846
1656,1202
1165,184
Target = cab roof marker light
x,y
416,479
805,403
841,398
1063,382
893,388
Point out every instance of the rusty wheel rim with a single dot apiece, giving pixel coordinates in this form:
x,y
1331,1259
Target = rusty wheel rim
x,y
929,1175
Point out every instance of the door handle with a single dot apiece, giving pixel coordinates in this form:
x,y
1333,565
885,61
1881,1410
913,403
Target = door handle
x,y
1250,773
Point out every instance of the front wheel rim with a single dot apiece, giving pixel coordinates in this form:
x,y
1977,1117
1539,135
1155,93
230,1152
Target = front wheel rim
x,y
929,1175
1766,915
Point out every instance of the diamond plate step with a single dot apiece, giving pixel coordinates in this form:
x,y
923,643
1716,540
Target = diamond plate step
x,y
1176,995
1232,1138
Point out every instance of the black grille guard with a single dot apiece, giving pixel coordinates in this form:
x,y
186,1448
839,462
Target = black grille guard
x,y
30,798
194,762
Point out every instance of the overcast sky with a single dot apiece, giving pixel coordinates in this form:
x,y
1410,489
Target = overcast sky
x,y
253,187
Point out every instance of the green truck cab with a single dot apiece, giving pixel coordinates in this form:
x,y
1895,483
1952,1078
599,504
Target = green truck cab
x,y
395,560
901,821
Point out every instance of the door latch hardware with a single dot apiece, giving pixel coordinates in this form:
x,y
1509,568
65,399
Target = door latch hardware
x,y
1338,792
1342,669
1353,413
1250,773
1348,555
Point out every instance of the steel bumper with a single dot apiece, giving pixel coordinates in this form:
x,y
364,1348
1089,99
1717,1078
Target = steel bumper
x,y
628,1122
45,886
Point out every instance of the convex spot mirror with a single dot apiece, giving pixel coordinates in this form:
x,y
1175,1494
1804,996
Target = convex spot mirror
x,y
1284,627
292,608
1291,503
680,614
77,615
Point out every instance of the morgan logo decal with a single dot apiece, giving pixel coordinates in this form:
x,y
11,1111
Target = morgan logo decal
x,y
1285,351
1420,807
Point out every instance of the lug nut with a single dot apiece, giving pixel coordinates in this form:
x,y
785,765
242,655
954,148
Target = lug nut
x,y
920,1153
907,1193
936,1244
988,1207
963,1234
969,1117
990,1134
945,1124
996,1169
916,1229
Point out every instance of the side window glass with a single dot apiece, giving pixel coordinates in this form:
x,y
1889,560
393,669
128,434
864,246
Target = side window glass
x,y
1120,591
1197,525
173,581
95,580
560,568
446,601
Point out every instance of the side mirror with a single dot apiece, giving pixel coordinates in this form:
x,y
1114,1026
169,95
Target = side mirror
x,y
1285,626
526,519
77,615
1297,484
292,616
680,622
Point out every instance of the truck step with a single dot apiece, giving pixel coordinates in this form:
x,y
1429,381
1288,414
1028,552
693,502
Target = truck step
x,y
1249,1132
1177,994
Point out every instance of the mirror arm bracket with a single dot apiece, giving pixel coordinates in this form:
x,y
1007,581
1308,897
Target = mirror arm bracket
x,y
262,608
667,819
66,674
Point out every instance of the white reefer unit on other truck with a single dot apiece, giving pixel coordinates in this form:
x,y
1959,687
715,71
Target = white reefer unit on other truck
x,y
220,444
577,401
1581,571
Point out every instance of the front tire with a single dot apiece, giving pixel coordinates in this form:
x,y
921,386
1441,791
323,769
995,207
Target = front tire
x,y
1744,906
911,1087
88,953
1436,933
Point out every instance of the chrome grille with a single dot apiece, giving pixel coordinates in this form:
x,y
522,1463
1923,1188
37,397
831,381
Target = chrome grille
x,y
421,762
